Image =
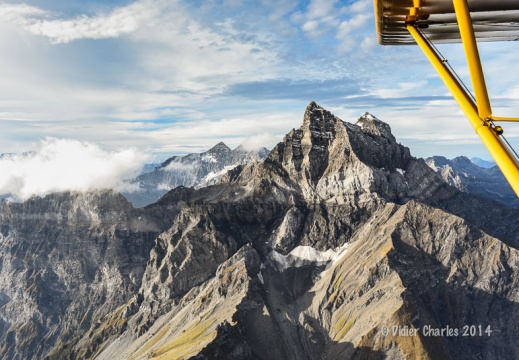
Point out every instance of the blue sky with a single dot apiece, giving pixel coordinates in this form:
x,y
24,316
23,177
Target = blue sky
x,y
178,76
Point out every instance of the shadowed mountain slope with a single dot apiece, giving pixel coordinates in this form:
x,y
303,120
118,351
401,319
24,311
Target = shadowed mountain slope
x,y
339,244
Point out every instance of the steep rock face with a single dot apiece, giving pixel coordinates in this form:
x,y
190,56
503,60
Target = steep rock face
x,y
66,260
333,160
466,176
313,253
193,170
192,323
410,267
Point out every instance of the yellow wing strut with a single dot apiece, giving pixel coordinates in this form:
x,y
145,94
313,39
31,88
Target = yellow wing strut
x,y
479,113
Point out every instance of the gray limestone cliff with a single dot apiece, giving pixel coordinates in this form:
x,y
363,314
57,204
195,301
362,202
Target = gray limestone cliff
x,y
339,244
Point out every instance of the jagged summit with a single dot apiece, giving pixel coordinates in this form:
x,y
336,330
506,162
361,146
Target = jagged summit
x,y
318,117
241,149
370,124
333,159
192,170
219,148
442,161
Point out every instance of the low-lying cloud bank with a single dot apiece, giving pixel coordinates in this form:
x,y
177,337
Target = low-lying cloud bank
x,y
67,165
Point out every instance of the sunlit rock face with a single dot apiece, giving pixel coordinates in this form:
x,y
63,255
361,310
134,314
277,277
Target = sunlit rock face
x,y
338,245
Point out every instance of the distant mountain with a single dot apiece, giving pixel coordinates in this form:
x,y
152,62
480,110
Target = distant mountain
x,y
483,163
192,170
466,176
16,156
147,168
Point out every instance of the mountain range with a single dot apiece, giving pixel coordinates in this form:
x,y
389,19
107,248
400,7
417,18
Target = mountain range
x,y
482,163
338,245
469,177
192,170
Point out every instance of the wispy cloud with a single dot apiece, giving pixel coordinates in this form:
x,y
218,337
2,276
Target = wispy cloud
x,y
350,23
348,32
67,165
320,17
307,89
258,141
120,21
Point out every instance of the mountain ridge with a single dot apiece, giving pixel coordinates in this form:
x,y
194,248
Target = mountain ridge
x,y
467,176
391,243
192,170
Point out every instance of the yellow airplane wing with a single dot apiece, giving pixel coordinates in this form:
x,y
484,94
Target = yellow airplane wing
x,y
492,20
424,22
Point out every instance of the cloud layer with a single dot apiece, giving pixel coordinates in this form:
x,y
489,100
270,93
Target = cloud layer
x,y
67,165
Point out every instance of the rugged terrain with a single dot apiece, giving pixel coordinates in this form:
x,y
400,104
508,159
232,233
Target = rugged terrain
x,y
192,170
323,250
472,178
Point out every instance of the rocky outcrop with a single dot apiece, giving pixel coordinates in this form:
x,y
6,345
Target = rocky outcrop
x,y
339,244
66,261
466,176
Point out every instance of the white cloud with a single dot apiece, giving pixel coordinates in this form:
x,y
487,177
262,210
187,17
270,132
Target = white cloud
x,y
17,13
310,26
177,166
321,8
120,21
168,68
67,165
361,6
349,22
401,89
349,32
258,141
320,17
279,8
368,43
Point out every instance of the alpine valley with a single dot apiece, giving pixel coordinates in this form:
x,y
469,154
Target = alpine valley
x,y
337,245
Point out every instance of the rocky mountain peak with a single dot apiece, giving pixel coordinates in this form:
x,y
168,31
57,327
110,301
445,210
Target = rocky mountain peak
x,y
318,118
332,159
241,149
192,170
219,148
443,161
436,162
463,160
370,124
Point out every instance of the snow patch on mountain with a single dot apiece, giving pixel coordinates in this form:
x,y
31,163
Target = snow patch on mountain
x,y
304,256
213,176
